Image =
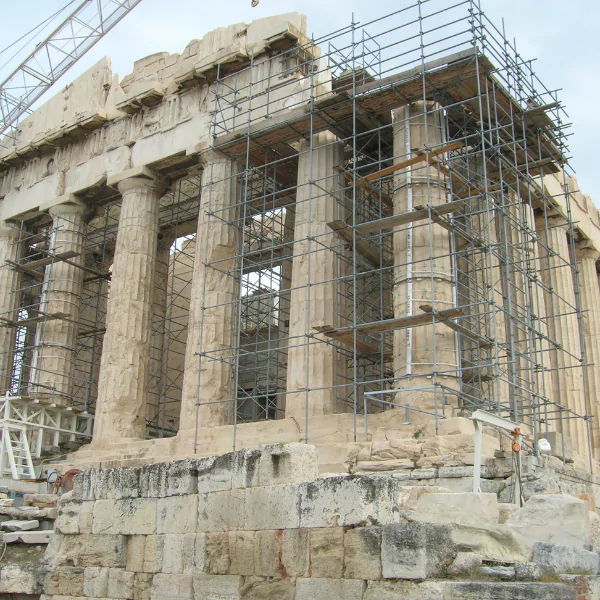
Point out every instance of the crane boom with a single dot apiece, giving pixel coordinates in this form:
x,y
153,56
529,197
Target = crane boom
x,y
80,31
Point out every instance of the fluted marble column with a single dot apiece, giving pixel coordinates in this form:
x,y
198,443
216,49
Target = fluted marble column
x,y
157,343
423,268
123,385
567,382
53,368
207,379
312,359
590,304
9,300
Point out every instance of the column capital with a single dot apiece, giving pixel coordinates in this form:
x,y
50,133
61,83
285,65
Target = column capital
x,y
156,185
209,156
553,222
62,210
137,178
8,229
586,252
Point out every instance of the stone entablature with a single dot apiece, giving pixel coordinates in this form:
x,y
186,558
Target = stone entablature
x,y
160,115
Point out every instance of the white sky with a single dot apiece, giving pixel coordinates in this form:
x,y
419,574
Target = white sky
x,y
562,35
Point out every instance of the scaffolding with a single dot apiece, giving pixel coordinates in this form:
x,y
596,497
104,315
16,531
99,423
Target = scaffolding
x,y
491,132
431,223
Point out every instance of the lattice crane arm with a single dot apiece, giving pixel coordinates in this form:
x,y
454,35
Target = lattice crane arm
x,y
81,30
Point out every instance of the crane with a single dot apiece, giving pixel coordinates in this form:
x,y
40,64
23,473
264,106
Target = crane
x,y
84,27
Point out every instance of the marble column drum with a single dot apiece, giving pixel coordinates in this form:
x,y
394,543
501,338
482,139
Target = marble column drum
x,y
423,266
53,367
123,384
9,301
206,388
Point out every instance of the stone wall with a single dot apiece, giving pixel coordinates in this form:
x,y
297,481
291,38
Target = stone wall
x,y
261,524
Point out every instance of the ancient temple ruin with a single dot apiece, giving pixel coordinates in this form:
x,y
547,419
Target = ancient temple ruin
x,y
352,242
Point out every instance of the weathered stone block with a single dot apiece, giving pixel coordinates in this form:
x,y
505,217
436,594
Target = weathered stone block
x,y
65,581
217,553
349,500
127,482
506,511
295,552
408,497
153,553
267,553
528,572
499,572
142,586
408,590
74,518
466,564
484,506
95,582
362,553
566,559
475,534
153,480
511,591
176,514
120,583
100,484
20,579
183,553
327,552
217,474
171,586
288,463
221,511
429,473
331,589
182,476
263,588
217,587
272,507
130,516
86,550
246,470
416,550
554,518
241,553
135,553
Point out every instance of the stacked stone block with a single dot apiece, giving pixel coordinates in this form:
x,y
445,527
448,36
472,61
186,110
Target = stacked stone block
x,y
260,524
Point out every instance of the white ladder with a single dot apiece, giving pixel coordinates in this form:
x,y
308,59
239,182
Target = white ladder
x,y
15,456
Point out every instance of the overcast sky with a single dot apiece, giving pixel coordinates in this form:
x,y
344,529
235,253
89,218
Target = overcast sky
x,y
563,36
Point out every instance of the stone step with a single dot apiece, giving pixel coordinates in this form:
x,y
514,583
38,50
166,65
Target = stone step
x,y
28,537
40,500
18,525
28,512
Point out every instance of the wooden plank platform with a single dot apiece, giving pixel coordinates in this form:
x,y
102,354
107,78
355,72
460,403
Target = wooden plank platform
x,y
389,325
407,217
32,266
